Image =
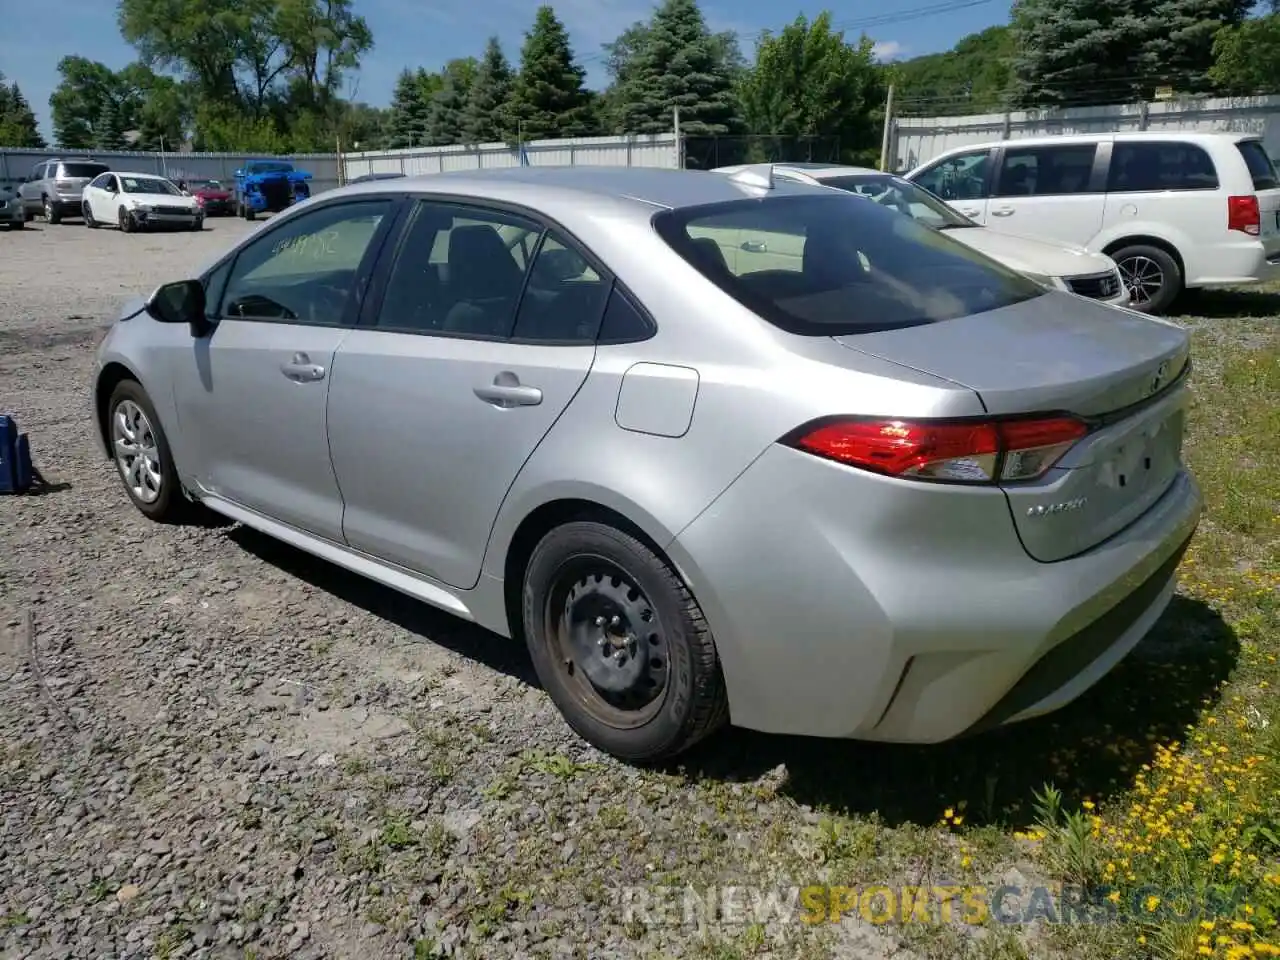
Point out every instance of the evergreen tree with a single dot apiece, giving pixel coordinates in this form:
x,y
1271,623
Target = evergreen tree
x,y
18,127
549,99
408,115
110,127
487,115
677,62
445,117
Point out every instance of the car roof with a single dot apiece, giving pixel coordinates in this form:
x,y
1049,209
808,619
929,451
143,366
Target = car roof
x,y
553,188
819,171
139,173
1155,136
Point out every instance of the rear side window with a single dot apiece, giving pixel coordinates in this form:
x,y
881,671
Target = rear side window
x,y
1046,171
82,169
838,265
1160,165
1260,166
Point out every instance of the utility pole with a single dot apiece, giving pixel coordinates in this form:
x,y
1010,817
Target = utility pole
x,y
675,124
887,139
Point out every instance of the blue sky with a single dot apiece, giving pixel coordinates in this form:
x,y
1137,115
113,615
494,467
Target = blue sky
x,y
429,32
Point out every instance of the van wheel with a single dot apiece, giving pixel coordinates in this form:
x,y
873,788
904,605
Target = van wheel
x,y
1151,276
620,644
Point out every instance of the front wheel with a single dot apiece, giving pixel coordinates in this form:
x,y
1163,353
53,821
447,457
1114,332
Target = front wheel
x,y
620,644
142,456
87,213
1151,276
126,221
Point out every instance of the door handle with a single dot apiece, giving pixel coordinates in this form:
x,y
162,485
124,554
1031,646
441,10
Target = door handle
x,y
301,370
507,391
970,211
755,246
1003,212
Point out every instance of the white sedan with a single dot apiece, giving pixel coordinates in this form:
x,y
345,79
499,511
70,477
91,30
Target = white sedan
x,y
139,201
1062,266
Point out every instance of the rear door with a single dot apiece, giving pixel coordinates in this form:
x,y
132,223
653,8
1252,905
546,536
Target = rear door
x,y
962,180
1053,191
1266,185
454,378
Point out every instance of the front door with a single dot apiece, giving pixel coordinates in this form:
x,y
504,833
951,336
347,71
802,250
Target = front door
x,y
961,180
252,402
434,409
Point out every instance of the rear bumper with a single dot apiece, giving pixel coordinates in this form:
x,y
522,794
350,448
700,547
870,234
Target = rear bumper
x,y
850,605
1236,263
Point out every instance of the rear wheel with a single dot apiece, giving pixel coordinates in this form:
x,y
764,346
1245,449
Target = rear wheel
x,y
1151,275
51,212
620,644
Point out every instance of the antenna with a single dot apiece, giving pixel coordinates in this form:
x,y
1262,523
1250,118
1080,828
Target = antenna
x,y
757,175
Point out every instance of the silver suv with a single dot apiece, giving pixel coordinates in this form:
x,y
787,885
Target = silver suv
x,y
54,187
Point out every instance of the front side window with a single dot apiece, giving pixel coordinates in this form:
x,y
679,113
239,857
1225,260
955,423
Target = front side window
x,y
101,182
833,266
1046,170
306,270
459,271
903,196
1157,165
962,177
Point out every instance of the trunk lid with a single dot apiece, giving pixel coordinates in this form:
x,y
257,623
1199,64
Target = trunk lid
x,y
1057,353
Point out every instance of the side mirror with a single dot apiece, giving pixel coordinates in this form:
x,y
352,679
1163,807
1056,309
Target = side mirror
x,y
238,173
180,302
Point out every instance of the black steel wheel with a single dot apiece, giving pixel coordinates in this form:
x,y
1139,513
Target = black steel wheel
x,y
620,643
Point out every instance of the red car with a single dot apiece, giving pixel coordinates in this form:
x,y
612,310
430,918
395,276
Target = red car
x,y
210,194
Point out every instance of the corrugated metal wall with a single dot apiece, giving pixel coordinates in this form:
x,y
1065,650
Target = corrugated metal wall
x,y
919,139
16,165
657,150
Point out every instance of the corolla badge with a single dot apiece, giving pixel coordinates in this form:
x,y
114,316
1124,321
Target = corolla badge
x,y
1052,509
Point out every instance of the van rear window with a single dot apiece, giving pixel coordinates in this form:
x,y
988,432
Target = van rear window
x,y
83,169
1260,166
835,265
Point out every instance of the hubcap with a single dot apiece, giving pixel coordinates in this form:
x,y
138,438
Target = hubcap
x,y
48,208
137,452
610,642
1142,277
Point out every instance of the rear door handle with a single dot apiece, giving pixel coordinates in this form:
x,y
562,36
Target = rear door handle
x,y
755,246
507,391
1003,212
301,370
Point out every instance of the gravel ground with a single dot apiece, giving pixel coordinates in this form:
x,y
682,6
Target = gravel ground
x,y
212,745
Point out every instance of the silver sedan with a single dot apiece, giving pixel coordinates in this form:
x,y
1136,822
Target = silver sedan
x,y
712,446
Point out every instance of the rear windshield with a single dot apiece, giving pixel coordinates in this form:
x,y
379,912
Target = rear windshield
x,y
835,265
83,169
1259,164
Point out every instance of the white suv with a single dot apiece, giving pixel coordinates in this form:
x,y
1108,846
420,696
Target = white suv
x,y
1175,210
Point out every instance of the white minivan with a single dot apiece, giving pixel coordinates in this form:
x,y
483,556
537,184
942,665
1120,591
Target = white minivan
x,y
1176,211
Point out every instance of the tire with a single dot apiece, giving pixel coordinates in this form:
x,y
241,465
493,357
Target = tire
x,y
169,504
125,220
582,579
198,225
18,224
1152,276
89,222
51,212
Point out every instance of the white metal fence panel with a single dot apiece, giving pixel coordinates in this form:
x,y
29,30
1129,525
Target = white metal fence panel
x,y
16,165
657,150
920,139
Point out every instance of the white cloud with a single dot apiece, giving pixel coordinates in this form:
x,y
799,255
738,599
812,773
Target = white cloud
x,y
886,50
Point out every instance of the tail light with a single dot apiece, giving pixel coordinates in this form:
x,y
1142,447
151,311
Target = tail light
x,y
957,451
1243,215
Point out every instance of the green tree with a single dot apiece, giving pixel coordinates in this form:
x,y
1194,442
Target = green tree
x,y
1247,57
407,123
446,112
1088,52
975,76
77,102
548,98
487,114
18,127
808,83
675,61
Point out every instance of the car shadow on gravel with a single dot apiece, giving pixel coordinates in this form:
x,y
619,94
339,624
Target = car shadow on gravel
x,y
1232,304
435,626
1089,750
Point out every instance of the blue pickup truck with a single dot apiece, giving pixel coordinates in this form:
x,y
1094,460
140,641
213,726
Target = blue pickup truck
x,y
268,186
